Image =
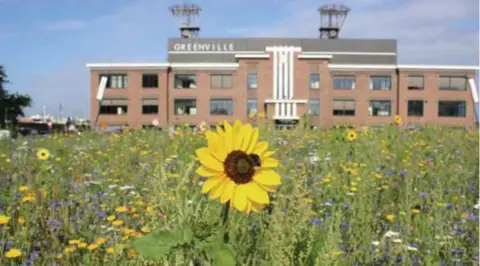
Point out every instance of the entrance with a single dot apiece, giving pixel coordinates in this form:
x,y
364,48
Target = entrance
x,y
286,123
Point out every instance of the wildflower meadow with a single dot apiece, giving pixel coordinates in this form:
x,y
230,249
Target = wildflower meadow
x,y
238,195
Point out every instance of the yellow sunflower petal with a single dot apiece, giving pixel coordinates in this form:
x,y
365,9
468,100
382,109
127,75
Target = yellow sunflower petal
x,y
205,172
249,207
240,198
215,144
250,146
208,160
256,193
260,148
246,133
237,135
212,182
228,137
218,189
270,163
227,193
267,177
267,188
256,207
267,154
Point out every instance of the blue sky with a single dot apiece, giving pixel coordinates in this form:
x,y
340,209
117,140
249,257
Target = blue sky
x,y
45,44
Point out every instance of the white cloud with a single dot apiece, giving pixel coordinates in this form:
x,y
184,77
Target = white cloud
x,y
64,25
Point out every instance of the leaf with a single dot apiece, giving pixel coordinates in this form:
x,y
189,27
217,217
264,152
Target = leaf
x,y
155,245
265,263
222,255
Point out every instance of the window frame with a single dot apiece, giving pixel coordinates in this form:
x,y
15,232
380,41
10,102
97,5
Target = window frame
x,y
177,76
415,114
390,112
452,101
312,82
230,100
149,75
344,110
222,81
175,110
254,74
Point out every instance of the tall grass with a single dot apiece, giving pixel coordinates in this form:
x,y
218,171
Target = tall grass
x,y
389,197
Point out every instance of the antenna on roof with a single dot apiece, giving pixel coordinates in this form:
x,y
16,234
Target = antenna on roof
x,y
332,18
187,15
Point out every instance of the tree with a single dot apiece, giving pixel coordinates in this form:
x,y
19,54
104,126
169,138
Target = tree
x,y
11,104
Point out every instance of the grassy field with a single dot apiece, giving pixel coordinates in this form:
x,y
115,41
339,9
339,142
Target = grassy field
x,y
387,197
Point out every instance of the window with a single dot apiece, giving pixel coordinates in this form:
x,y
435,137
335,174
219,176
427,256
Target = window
x,y
314,81
314,107
344,82
114,106
221,107
251,106
252,80
415,108
115,81
149,81
343,107
453,83
380,108
452,108
380,82
224,81
149,106
185,106
415,82
185,81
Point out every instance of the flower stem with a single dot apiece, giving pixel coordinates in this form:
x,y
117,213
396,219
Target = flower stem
x,y
226,208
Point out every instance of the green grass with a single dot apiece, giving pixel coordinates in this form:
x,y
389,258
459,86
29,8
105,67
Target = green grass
x,y
329,212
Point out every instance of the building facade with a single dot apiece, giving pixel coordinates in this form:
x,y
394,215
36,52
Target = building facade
x,y
330,81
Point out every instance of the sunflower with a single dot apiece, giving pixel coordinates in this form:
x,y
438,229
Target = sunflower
x,y
351,135
238,167
398,119
43,154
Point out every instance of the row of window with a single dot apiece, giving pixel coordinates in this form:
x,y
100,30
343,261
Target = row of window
x,y
340,107
340,82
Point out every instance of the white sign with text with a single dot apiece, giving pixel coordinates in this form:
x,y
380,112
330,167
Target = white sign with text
x,y
203,47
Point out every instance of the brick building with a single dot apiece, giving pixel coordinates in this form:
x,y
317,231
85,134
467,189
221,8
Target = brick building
x,y
331,81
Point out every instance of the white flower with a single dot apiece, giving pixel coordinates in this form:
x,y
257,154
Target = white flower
x,y
189,202
313,159
412,248
397,240
391,233
112,186
126,187
477,206
375,243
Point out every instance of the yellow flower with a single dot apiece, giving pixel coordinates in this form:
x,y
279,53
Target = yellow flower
x,y
239,168
21,220
4,219
121,209
415,211
82,245
101,241
117,223
23,188
92,247
110,250
111,218
261,114
131,253
251,115
351,135
398,119
390,217
13,253
43,154
144,229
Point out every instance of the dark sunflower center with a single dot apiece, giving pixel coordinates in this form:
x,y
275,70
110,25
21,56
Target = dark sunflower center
x,y
240,166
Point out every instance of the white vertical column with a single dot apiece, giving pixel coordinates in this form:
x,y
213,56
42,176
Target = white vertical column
x,y
275,73
277,109
289,109
280,75
294,109
292,60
